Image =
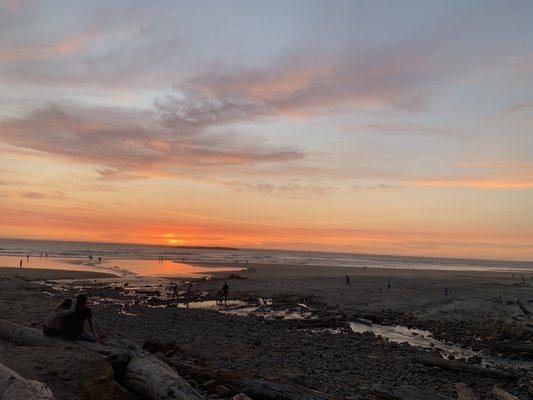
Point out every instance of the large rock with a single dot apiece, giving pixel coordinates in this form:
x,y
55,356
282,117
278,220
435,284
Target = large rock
x,y
70,374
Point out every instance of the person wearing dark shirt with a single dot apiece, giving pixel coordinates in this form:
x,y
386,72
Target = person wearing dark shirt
x,y
73,325
225,292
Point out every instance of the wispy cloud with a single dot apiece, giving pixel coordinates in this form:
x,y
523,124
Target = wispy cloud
x,y
289,189
46,51
526,183
379,186
484,174
395,128
130,144
36,195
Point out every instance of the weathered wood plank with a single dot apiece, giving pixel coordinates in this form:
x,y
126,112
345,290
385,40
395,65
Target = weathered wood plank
x,y
405,392
457,366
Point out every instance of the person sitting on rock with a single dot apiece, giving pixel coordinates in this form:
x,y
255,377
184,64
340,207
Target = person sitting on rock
x,y
54,322
73,326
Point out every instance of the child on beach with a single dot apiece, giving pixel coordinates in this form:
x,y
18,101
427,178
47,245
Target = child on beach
x,y
54,322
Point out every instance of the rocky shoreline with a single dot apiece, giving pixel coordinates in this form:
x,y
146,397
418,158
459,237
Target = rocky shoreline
x,y
320,352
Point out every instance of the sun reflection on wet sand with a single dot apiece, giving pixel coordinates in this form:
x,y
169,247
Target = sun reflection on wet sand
x,y
164,268
120,267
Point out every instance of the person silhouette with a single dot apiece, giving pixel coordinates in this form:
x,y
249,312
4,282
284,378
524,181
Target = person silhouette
x,y
225,292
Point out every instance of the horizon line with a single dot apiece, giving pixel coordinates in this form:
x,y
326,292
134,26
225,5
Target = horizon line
x,y
270,249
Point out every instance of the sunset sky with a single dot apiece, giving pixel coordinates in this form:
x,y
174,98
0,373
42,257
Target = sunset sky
x,y
381,127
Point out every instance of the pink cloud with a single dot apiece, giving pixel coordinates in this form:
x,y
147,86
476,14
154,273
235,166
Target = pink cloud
x,y
130,144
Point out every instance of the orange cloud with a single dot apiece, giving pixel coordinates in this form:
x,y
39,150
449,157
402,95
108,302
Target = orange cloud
x,y
473,182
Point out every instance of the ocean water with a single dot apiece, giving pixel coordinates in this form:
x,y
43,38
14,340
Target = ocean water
x,y
143,259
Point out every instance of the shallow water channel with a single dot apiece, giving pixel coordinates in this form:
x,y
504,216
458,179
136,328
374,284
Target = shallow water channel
x,y
424,339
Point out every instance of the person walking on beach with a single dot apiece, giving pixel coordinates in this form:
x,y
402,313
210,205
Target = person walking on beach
x,y
347,278
54,322
389,286
27,258
20,264
445,290
73,325
225,292
188,294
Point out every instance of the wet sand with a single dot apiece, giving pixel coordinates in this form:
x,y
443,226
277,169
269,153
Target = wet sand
x,y
33,274
478,311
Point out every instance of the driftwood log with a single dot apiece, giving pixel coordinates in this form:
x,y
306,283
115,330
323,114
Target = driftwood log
x,y
501,394
527,325
405,392
457,366
464,393
257,389
524,309
515,347
15,387
143,374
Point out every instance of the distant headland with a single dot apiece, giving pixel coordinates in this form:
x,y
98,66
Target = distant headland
x,y
206,248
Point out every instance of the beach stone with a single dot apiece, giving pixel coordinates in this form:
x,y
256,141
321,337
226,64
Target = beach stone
x,y
152,346
222,391
240,396
209,384
170,353
168,346
193,383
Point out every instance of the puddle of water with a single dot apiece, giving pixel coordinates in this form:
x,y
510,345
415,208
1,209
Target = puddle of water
x,y
130,314
213,305
397,334
260,309
424,339
158,293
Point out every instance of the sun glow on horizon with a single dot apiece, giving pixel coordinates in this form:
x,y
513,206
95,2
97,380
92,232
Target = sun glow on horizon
x,y
323,130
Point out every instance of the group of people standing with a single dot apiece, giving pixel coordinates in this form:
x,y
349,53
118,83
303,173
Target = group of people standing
x,y
68,318
222,294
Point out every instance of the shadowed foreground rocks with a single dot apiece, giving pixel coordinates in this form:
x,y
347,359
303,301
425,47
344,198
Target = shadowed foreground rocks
x,y
71,374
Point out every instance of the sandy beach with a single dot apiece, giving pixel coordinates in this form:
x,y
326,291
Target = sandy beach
x,y
320,353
